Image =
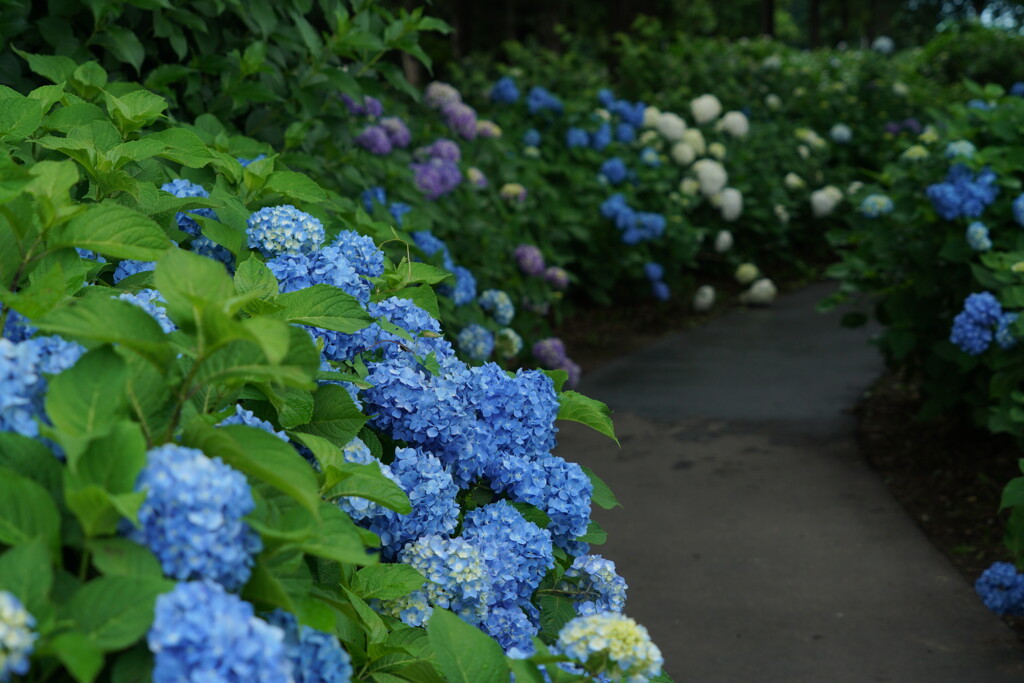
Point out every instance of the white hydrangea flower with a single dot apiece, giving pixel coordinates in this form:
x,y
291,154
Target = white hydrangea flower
x,y
683,154
651,117
854,187
825,200
704,298
735,123
793,182
915,153
840,133
773,101
900,89
717,150
723,241
649,137
731,201
671,126
883,45
694,138
782,214
705,109
803,151
711,175
746,273
689,187
761,293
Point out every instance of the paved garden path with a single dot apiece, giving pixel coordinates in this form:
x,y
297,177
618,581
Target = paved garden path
x,y
758,546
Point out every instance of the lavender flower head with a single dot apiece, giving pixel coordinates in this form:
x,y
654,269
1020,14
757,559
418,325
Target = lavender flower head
x,y
557,277
530,260
375,139
476,177
398,132
461,118
439,94
371,106
436,177
550,352
442,148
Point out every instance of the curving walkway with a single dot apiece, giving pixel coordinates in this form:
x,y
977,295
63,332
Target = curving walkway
x,y
758,546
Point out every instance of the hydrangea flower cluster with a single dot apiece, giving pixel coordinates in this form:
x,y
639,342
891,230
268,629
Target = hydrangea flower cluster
x,y
284,231
655,273
874,205
23,369
975,326
438,94
436,177
397,132
626,646
596,585
476,341
977,236
476,177
614,170
456,574
202,632
636,226
147,299
840,133
16,637
519,412
513,630
513,192
358,508
375,140
245,162
963,193
180,187
505,91
461,118
128,267
540,99
315,656
1018,210
1001,588
370,106
576,137
249,419
551,354
192,517
507,343
556,277
530,260
499,304
960,148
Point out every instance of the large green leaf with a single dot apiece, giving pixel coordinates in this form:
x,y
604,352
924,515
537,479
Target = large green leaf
x,y
121,557
339,539
88,397
324,306
602,495
591,412
82,657
386,581
26,571
114,230
116,611
464,653
189,283
27,511
335,416
364,481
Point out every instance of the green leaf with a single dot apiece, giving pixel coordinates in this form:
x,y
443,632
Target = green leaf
x,y
602,495
376,631
294,406
182,147
364,481
87,397
595,534
387,581
19,118
558,378
1013,494
26,571
533,514
102,319
424,297
555,612
464,653
295,186
261,456
121,557
338,538
253,277
579,408
31,459
116,611
114,230
335,416
58,69
82,657
123,44
27,511
324,306
189,281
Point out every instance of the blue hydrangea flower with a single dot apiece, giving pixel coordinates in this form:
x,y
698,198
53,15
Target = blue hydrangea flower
x,y
455,572
200,632
531,138
245,162
1004,333
204,246
315,656
23,369
963,193
128,267
476,341
614,169
180,187
649,156
17,328
90,255
972,329
623,645
595,585
977,236
512,629
249,419
1001,588
505,91
361,252
17,639
661,291
398,211
192,517
499,304
284,231
464,290
1018,210
630,112
517,553
654,271
625,133
601,138
979,104
874,205
147,299
362,509
430,245
373,195
540,99
1017,89
327,266
576,137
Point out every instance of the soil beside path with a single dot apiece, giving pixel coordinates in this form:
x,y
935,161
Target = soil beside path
x,y
757,542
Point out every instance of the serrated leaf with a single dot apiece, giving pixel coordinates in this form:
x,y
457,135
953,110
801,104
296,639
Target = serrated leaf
x,y
585,410
116,611
465,654
114,230
387,581
335,416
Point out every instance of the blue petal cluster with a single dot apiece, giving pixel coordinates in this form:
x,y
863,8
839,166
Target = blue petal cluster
x,y
192,517
963,194
505,91
284,230
147,299
595,585
1018,210
180,187
512,629
1001,588
128,267
361,252
601,138
464,290
977,236
517,553
245,162
327,266
1004,332
17,328
972,329
649,156
531,138
398,211
249,419
499,304
204,246
631,113
476,341
576,137
455,572
372,195
200,632
16,637
362,509
625,133
540,99
315,656
636,226
614,170
23,369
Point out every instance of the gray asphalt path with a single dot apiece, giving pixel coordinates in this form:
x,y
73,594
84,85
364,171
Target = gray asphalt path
x,y
758,546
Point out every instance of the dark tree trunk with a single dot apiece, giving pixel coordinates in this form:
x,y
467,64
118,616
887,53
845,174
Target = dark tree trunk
x,y
768,17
